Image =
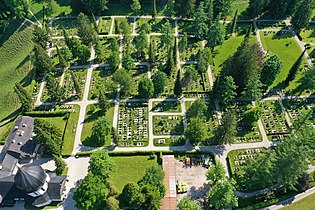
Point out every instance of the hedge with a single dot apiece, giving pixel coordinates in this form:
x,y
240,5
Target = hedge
x,y
46,113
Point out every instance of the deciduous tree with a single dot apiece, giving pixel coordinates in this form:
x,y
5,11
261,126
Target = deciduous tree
x,y
101,165
226,133
159,82
101,131
146,88
196,130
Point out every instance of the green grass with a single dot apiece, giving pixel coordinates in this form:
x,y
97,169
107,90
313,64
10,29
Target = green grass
x,y
69,135
16,44
288,51
91,116
241,6
308,34
129,169
304,204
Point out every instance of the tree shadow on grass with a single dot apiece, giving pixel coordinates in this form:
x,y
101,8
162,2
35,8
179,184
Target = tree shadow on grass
x,y
11,117
13,27
93,115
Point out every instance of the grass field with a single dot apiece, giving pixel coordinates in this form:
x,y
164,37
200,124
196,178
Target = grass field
x,y
129,169
241,6
304,204
16,44
288,51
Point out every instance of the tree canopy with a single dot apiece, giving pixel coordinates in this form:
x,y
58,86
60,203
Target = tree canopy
x,y
101,165
101,131
146,88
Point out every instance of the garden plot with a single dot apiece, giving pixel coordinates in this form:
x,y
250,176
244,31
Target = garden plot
x,y
168,125
245,133
133,124
200,86
192,49
69,24
166,106
274,120
237,160
174,141
298,107
102,81
45,96
156,25
74,82
104,25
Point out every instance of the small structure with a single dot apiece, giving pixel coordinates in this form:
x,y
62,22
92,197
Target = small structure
x,y
26,182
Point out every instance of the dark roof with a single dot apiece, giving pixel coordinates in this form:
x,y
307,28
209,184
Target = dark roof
x,y
7,165
6,184
38,201
30,178
21,142
56,187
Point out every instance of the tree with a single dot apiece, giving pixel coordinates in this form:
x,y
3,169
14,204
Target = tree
x,y
24,97
295,68
123,78
215,174
114,59
55,91
222,7
142,44
226,90
101,131
169,8
152,50
233,26
48,136
159,82
101,165
198,109
182,45
95,6
308,79
271,69
209,9
216,35
200,24
302,15
124,27
256,7
84,54
196,130
112,203
43,63
226,133
40,36
253,89
204,60
91,193
252,116
135,6
186,204
178,85
190,77
60,164
188,8
154,12
131,197
128,62
167,37
20,8
100,51
222,195
169,66
65,56
85,29
146,88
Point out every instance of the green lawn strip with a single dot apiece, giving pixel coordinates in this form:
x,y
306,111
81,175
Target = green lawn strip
x,y
52,205
168,125
288,51
166,106
94,111
16,44
304,204
5,131
69,135
129,169
174,141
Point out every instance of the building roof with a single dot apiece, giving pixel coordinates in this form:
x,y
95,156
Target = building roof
x,y
30,178
21,142
7,165
56,187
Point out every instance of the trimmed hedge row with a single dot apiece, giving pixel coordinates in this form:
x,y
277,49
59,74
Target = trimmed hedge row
x,y
46,113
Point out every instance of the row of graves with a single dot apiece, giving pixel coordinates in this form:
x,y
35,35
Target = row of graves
x,y
133,124
245,133
297,108
168,125
159,51
74,82
70,24
166,106
104,25
274,121
191,52
199,87
102,81
173,141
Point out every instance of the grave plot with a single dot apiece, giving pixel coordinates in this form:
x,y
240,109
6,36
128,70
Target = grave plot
x,y
104,25
133,124
45,95
246,133
168,125
118,21
274,120
102,81
194,84
106,46
156,25
169,87
69,24
138,73
271,25
159,51
300,107
192,49
185,26
73,83
174,141
237,160
308,34
166,106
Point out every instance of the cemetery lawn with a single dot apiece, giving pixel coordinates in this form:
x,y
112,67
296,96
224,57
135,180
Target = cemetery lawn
x,y
16,44
304,204
91,117
288,51
130,169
